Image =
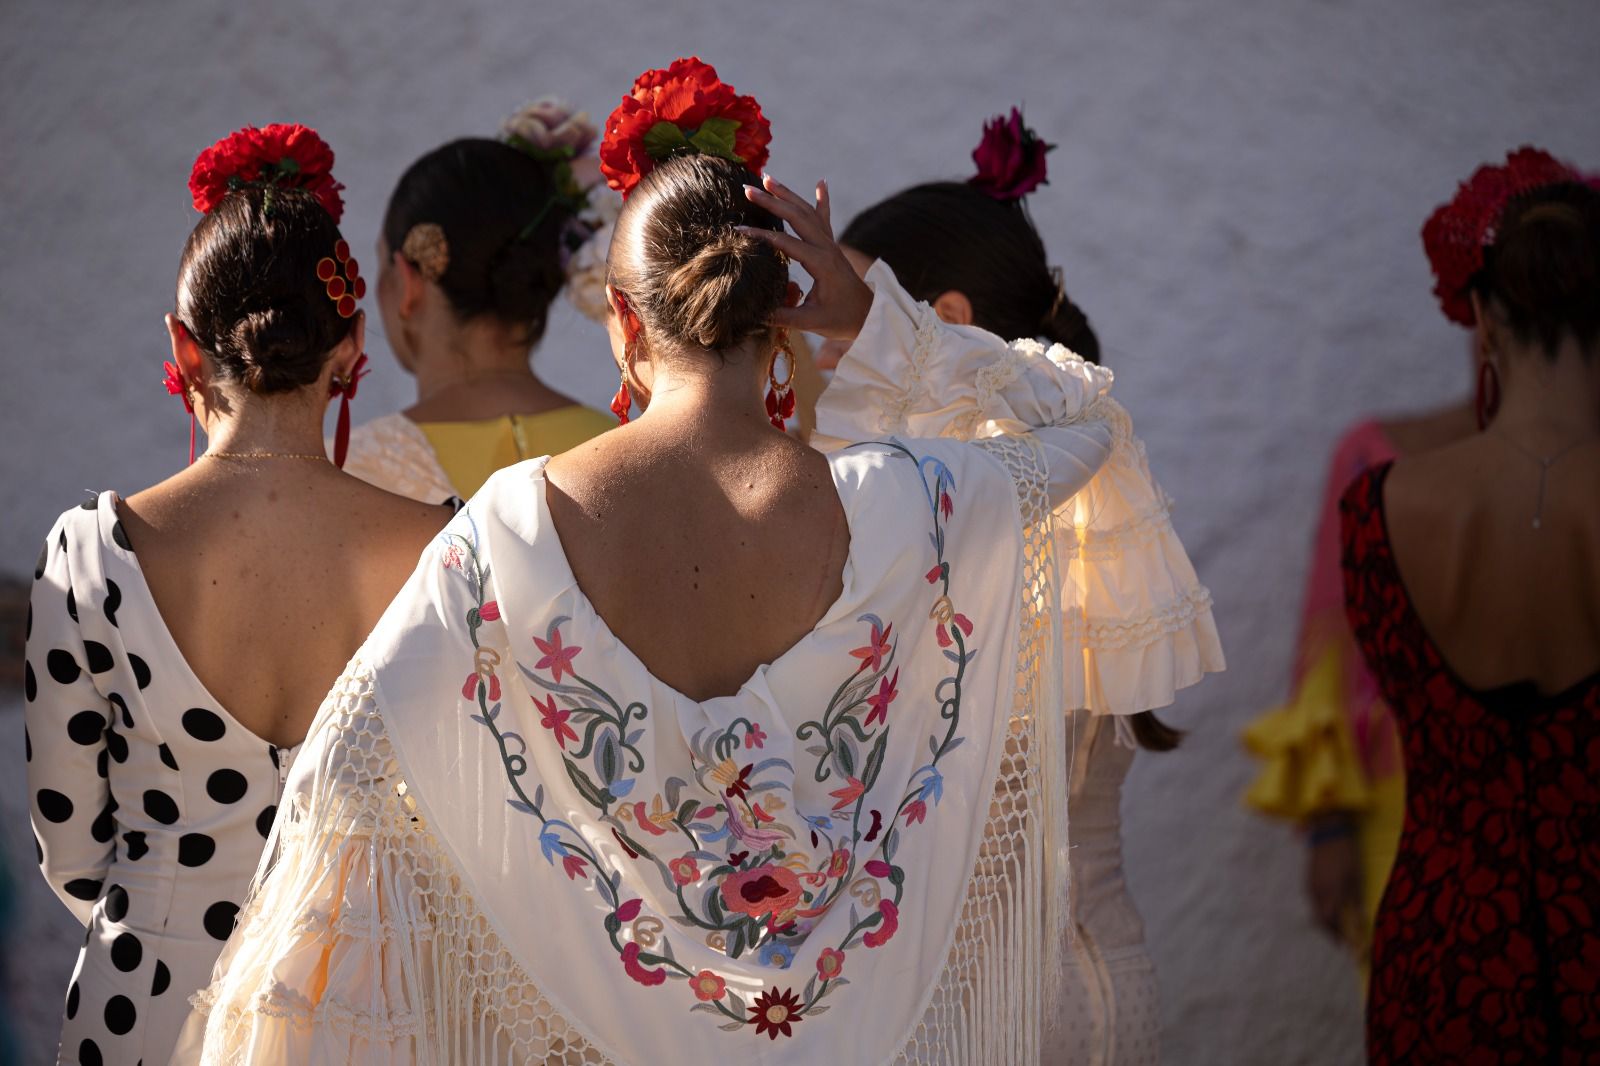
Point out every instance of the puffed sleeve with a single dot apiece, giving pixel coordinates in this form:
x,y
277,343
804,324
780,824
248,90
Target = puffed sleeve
x,y
66,720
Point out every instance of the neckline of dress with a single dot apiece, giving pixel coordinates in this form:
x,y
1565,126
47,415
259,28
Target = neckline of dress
x,y
581,599
131,558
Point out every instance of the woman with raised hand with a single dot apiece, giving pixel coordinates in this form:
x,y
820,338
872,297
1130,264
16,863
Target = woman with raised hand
x,y
1471,575
969,249
693,741
180,638
475,247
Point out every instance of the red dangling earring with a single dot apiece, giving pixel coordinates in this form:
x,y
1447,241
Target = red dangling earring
x,y
178,385
780,397
345,389
1487,403
622,402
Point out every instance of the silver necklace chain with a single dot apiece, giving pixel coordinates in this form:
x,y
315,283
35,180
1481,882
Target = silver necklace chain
x,y
1545,463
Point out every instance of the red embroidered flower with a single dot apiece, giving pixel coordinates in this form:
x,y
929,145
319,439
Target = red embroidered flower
x,y
1010,158
754,737
1457,232
287,156
880,702
630,910
830,963
740,784
876,648
916,811
891,922
935,574
681,110
838,863
574,866
774,1012
707,986
761,890
685,871
848,794
630,963
469,691
557,658
490,611
554,719
946,504
878,868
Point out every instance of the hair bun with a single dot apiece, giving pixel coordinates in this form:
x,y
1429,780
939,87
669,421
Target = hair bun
x,y
277,349
1543,269
715,297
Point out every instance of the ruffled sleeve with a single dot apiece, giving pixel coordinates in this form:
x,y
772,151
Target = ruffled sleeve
x,y
1137,623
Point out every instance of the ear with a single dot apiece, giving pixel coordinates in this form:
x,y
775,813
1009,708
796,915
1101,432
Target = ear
x,y
1486,338
953,307
624,315
411,284
186,353
347,351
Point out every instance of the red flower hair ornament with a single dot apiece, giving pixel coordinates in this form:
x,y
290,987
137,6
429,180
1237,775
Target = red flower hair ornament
x,y
1457,232
1010,158
277,156
682,110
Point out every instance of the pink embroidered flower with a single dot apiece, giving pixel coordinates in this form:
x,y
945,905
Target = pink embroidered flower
x,y
872,654
557,658
935,574
878,868
945,504
490,611
880,703
630,963
916,811
941,633
761,891
574,866
555,720
629,910
685,871
830,963
848,794
452,557
469,691
707,986
839,863
754,737
963,623
878,937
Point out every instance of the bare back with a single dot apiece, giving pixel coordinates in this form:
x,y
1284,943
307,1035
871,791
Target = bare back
x,y
270,578
1503,601
707,553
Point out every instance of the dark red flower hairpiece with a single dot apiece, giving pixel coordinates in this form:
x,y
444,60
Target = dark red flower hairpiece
x,y
682,110
1010,158
1457,232
281,156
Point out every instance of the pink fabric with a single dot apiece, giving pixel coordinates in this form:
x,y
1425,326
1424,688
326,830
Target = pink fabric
x,y
1323,619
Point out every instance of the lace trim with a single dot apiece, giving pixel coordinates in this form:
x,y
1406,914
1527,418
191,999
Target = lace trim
x,y
1104,545
992,379
1144,630
914,387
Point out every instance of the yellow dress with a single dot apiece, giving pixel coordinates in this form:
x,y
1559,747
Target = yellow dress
x,y
432,461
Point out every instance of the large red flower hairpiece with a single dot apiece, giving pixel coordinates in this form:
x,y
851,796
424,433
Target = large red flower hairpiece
x,y
1010,158
1457,232
280,155
682,110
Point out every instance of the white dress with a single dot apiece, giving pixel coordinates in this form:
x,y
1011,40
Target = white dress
x,y
508,842
150,803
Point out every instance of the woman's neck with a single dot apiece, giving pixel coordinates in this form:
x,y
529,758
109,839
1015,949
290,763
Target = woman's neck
x,y
709,392
253,424
476,370
1547,404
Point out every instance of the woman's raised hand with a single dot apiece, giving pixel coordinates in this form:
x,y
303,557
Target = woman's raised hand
x,y
838,302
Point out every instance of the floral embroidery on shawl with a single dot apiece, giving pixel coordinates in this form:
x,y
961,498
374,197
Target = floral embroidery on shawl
x,y
747,870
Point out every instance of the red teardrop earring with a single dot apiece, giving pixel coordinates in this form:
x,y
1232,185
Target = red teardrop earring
x,y
1487,402
178,385
345,389
622,402
780,396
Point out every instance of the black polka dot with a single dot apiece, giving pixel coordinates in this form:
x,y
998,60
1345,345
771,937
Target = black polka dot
x,y
27,633
89,1054
203,724
38,848
83,888
162,979
159,805
99,656
195,849
105,826
116,745
264,820
62,666
30,683
91,503
86,727
53,806
126,952
61,540
219,919
116,903
73,995
120,536
102,760
113,601
120,706
272,750
166,757
141,672
72,605
44,557
226,786
120,1015
136,845
27,744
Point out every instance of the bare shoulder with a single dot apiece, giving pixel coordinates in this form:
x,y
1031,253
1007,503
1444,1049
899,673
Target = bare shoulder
x,y
397,522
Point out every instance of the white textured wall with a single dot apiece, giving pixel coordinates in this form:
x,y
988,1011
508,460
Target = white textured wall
x,y
1236,201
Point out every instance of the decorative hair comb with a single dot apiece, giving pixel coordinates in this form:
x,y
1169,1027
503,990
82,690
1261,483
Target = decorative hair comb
x,y
684,109
277,156
1010,159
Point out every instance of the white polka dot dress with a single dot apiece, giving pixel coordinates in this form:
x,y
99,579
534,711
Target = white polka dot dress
x,y
150,803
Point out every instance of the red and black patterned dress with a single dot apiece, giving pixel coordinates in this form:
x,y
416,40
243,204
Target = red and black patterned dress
x,y
1487,945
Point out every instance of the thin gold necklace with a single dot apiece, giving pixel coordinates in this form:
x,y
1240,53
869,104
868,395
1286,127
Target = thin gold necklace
x,y
1545,463
240,457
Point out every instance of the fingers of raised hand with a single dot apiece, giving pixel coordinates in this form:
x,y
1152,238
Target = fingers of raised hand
x,y
801,216
807,255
